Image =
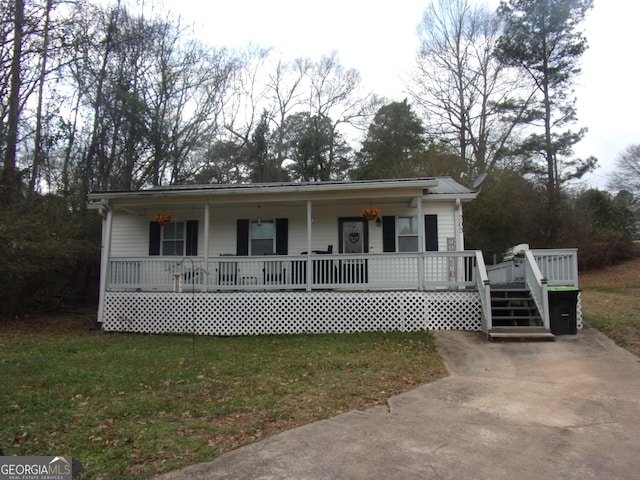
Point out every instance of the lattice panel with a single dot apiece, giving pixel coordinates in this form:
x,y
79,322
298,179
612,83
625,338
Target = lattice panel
x,y
259,313
579,312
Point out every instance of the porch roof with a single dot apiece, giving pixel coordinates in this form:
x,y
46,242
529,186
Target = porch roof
x,y
396,189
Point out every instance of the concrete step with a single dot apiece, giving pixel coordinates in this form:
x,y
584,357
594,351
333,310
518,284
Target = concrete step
x,y
520,333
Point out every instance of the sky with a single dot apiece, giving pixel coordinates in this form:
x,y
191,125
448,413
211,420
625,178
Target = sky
x,y
379,39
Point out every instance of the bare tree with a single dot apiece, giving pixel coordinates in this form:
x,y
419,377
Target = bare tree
x,y
247,94
627,174
149,110
463,90
286,86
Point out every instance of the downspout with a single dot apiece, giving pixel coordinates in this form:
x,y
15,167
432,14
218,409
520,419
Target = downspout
x,y
105,253
309,263
205,250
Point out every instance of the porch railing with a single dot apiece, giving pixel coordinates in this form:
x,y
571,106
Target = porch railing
x,y
419,271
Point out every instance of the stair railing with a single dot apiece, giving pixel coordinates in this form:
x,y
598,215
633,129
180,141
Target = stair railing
x,y
537,284
484,289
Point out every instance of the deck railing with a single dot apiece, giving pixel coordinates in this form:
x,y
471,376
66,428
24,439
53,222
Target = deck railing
x,y
537,285
558,266
484,289
537,269
389,271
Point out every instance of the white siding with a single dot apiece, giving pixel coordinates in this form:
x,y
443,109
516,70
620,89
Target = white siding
x,y
446,221
130,235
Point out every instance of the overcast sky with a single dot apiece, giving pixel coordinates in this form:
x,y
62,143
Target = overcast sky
x,y
378,38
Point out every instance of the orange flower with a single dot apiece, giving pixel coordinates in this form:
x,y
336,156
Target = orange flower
x,y
370,212
162,218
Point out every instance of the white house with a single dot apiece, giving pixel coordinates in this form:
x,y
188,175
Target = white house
x,y
290,258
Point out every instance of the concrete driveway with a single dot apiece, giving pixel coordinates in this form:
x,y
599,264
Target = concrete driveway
x,y
568,409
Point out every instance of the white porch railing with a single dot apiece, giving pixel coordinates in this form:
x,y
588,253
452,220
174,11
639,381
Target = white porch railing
x,y
537,285
538,269
388,271
559,266
484,288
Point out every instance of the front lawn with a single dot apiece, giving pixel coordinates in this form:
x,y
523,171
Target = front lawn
x,y
132,406
611,302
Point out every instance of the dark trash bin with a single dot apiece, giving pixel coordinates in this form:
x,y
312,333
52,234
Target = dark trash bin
x,y
563,310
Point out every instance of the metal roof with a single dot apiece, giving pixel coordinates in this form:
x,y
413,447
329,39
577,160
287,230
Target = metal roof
x,y
433,187
272,185
448,186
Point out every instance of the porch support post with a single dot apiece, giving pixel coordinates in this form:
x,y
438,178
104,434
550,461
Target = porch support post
x,y
309,263
457,218
421,244
459,240
107,222
205,250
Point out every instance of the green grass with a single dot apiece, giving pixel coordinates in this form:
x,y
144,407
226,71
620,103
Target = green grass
x,y
131,406
615,311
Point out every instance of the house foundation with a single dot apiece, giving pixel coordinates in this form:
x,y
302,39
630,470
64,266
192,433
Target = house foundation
x,y
291,312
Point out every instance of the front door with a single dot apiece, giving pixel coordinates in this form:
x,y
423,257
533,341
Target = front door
x,y
354,236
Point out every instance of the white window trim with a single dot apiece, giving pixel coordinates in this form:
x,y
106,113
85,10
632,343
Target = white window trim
x,y
273,238
184,240
405,235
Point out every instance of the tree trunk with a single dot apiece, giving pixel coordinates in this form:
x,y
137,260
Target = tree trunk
x,y
9,183
94,158
38,153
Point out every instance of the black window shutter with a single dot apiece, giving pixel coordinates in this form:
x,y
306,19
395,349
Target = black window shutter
x,y
192,238
388,234
242,237
154,238
282,236
431,232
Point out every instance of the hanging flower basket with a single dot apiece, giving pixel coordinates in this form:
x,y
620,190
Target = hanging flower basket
x,y
370,213
162,218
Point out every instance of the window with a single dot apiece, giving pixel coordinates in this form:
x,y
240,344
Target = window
x,y
177,238
407,228
173,239
262,237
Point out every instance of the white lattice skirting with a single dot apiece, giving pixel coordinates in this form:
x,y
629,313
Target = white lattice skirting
x,y
259,313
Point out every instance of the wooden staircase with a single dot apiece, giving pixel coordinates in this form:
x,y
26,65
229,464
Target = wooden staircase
x,y
515,314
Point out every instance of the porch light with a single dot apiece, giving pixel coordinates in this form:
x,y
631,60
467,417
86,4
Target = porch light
x,y
370,213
